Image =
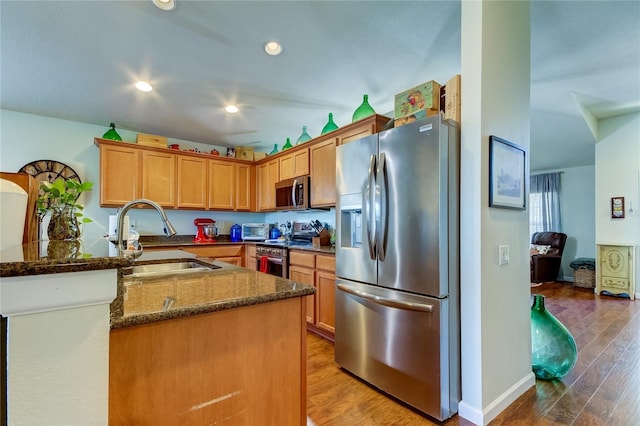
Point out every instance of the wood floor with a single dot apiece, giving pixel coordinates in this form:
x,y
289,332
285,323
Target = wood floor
x,y
602,389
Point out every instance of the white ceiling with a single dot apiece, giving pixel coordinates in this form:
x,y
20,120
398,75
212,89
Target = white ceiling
x,y
78,60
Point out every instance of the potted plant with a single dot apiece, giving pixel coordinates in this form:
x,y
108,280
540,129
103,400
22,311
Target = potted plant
x,y
60,197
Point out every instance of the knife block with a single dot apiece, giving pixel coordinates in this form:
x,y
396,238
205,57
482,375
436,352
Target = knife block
x,y
323,239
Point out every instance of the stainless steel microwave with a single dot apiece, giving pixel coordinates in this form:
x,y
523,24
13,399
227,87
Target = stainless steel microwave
x,y
293,194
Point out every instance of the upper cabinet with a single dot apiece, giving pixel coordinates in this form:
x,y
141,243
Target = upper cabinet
x,y
192,182
360,129
174,180
323,173
245,187
294,164
184,180
268,175
119,174
221,185
159,177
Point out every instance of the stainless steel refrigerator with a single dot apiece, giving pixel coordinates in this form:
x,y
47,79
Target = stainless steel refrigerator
x,y
397,263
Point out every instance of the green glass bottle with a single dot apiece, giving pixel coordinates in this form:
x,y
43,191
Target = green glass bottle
x,y
363,111
304,136
330,126
287,145
112,134
553,349
274,150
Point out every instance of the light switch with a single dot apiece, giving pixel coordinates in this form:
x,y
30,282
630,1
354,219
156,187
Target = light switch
x,y
503,255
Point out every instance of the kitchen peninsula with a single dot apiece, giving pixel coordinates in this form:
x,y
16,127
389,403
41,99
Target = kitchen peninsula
x,y
219,344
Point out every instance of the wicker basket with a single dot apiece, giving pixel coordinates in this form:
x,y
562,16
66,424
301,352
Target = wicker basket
x,y
584,277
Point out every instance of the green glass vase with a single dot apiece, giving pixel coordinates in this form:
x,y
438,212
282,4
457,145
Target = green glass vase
x,y
553,349
287,145
330,126
304,136
112,134
274,150
363,111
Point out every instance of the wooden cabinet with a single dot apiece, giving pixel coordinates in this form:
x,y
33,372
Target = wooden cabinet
x,y
245,186
174,180
302,269
192,182
242,366
365,127
221,185
317,270
268,176
615,271
294,164
323,173
119,174
250,258
326,297
159,177
230,253
231,186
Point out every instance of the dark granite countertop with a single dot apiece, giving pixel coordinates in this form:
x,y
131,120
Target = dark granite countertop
x,y
47,257
144,300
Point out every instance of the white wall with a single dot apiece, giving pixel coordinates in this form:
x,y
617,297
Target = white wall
x,y
618,175
495,300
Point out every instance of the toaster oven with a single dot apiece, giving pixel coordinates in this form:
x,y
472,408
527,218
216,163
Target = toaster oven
x,y
255,231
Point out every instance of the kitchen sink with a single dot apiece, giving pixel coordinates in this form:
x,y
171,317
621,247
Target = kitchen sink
x,y
169,268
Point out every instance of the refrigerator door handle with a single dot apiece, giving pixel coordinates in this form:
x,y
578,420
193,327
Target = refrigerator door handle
x,y
294,187
381,207
370,221
384,301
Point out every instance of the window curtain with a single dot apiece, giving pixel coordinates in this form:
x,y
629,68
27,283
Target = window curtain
x,y
544,203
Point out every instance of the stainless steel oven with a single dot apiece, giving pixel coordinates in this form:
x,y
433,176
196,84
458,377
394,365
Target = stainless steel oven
x,y
273,260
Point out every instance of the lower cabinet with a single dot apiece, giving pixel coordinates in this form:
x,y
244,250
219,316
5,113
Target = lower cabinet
x,y
250,258
317,270
215,368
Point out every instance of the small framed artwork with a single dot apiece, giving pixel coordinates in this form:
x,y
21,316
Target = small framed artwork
x,y
506,174
617,207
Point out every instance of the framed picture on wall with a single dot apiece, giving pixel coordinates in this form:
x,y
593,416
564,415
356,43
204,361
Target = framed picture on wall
x,y
506,174
617,207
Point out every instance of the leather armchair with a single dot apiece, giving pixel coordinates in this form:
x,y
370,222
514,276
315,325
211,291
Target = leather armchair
x,y
545,267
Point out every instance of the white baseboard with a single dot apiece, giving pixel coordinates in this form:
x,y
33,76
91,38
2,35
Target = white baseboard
x,y
482,416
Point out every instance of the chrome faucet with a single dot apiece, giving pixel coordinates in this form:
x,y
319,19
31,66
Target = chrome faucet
x,y
168,227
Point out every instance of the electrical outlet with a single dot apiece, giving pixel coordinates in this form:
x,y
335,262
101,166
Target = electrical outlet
x,y
503,255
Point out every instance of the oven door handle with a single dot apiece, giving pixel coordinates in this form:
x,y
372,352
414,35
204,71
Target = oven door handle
x,y
385,301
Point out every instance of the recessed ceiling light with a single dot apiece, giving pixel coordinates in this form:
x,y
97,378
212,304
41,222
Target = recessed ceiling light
x,y
165,4
232,109
143,86
273,48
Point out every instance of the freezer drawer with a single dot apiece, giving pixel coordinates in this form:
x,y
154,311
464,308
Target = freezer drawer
x,y
399,343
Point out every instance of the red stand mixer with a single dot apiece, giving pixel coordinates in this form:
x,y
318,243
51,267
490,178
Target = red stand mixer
x,y
206,232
